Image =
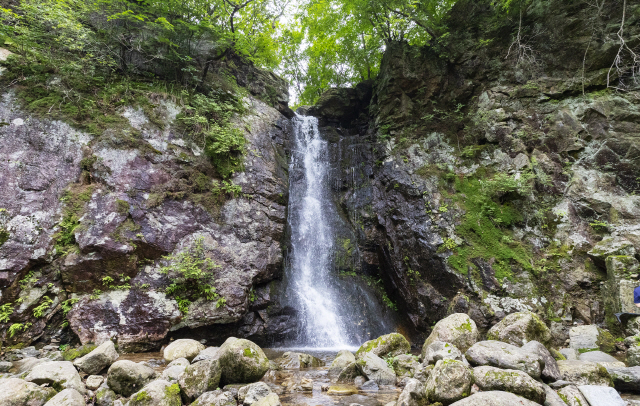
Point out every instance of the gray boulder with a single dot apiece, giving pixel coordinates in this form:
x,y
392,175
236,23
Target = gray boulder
x,y
551,372
552,398
584,373
26,364
98,359
67,397
633,356
569,353
349,373
207,353
506,356
413,394
157,393
126,377
342,359
597,356
572,396
520,328
450,381
495,398
601,395
509,380
5,366
405,365
457,329
93,382
270,400
173,371
201,377
17,392
376,369
439,350
297,360
625,379
215,398
370,386
182,348
241,361
57,374
250,394
105,396
590,338
389,345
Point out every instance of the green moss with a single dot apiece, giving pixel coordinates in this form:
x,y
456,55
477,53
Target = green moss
x,y
606,341
74,199
4,236
142,396
72,353
122,206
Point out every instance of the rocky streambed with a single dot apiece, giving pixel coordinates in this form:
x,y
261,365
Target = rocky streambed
x,y
513,365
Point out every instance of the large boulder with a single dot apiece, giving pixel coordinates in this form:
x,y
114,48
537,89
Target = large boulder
x,y
207,353
342,359
126,377
413,394
457,329
26,364
101,357
389,345
438,350
495,398
601,395
173,371
520,328
506,356
201,377
551,372
591,338
572,396
215,398
597,356
297,360
105,396
157,393
57,374
625,378
241,361
250,394
67,397
450,381
633,355
552,398
270,400
349,373
18,392
182,348
376,369
405,365
509,380
584,373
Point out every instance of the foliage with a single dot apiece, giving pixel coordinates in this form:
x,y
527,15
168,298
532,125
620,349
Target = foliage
x,y
6,310
74,200
42,307
108,282
191,276
18,327
28,279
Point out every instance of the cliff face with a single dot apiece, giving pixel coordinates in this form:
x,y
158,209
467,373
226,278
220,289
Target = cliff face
x,y
123,200
487,183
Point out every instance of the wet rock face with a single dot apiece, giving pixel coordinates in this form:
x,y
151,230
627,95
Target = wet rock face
x,y
131,206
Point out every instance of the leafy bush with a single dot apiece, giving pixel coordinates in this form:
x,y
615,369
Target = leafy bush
x,y
6,310
42,307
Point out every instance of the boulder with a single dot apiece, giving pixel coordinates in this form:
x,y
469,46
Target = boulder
x,y
349,373
569,354
572,396
584,373
215,398
18,392
438,350
241,361
633,326
101,357
520,328
67,397
509,380
596,356
270,400
201,377
126,377
26,364
342,390
250,394
590,338
450,381
633,356
297,360
625,379
342,359
182,348
207,353
173,371
389,345
457,329
105,396
370,386
413,394
405,365
551,372
57,374
552,398
157,393
495,398
506,356
93,382
376,369
601,395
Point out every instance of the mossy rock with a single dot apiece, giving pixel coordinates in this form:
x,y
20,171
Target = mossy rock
x,y
390,345
72,353
241,361
520,328
457,329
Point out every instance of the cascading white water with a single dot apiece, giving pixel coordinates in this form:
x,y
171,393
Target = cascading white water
x,y
312,240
